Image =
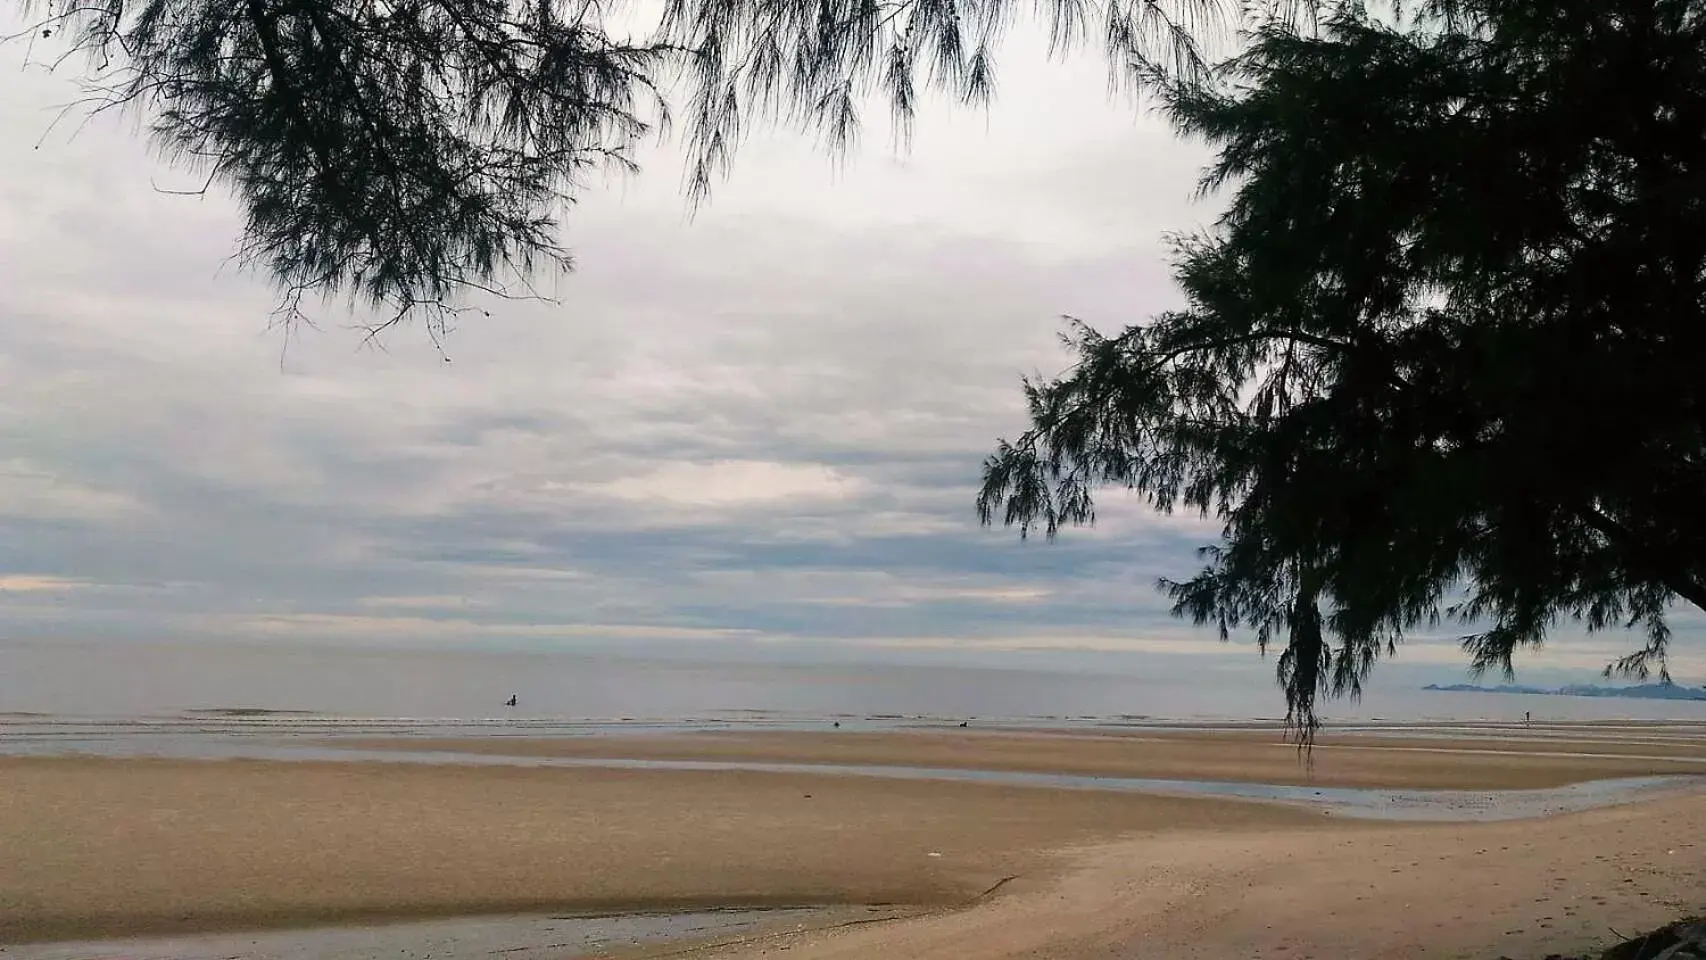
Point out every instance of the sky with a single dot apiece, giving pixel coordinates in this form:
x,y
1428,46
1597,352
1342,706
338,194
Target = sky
x,y
759,425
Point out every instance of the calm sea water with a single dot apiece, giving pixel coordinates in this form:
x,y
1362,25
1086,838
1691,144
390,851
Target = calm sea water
x,y
127,680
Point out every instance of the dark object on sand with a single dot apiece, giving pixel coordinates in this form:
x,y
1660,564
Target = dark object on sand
x,y
1684,940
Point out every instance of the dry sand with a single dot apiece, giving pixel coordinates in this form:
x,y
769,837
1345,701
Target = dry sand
x,y
101,847
1518,890
1350,761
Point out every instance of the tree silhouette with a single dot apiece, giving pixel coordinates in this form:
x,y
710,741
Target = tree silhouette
x,y
1441,359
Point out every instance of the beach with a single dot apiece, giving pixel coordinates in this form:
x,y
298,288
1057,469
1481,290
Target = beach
x,y
102,847
1522,891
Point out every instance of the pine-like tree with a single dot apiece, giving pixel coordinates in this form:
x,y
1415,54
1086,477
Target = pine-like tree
x,y
1443,356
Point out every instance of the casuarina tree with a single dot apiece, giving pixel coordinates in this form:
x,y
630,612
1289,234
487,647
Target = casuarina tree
x,y
407,153
1441,360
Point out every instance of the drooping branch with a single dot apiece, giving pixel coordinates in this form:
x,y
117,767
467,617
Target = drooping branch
x,y
1646,554
1434,323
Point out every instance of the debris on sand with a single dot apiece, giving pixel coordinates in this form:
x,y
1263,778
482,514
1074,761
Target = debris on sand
x,y
1682,940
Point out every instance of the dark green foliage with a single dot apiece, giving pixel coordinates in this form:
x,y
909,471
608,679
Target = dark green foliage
x,y
1442,358
397,150
812,62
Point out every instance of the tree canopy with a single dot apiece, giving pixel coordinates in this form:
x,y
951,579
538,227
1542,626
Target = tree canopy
x,y
409,152
1441,360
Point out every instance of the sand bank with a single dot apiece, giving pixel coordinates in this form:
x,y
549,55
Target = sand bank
x,y
1342,761
102,847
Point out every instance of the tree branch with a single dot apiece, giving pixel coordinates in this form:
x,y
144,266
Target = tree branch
x,y
1643,551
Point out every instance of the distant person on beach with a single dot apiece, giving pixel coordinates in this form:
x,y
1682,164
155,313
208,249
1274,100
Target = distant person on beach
x,y
511,701
1527,719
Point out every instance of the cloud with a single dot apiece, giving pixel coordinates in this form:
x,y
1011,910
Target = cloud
x,y
32,491
743,484
441,602
907,595
321,627
24,583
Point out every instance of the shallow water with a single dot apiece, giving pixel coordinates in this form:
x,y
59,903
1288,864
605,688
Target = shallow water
x,y
309,738
1355,802
513,938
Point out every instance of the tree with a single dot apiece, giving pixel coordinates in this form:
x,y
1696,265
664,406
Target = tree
x,y
408,152
1442,359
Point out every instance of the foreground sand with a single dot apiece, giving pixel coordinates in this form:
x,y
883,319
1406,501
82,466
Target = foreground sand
x,y
1353,761
1521,891
101,847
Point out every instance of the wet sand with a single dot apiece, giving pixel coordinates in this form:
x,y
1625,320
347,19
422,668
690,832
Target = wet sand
x,y
105,847
524,937
1520,891
1514,762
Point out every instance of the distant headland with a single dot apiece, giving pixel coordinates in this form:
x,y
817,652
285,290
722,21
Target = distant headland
x,y
1644,691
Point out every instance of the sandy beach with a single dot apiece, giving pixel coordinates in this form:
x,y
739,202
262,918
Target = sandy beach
x,y
99,847
1521,891
103,847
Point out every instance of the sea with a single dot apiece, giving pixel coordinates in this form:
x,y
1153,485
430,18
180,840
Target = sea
x,y
625,688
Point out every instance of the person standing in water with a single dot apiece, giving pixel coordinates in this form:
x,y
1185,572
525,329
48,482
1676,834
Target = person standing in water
x,y
511,701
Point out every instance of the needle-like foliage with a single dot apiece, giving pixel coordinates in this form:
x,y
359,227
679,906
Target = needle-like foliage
x,y
398,151
1442,359
405,152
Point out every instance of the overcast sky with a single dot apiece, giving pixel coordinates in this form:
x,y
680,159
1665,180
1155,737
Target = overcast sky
x,y
765,423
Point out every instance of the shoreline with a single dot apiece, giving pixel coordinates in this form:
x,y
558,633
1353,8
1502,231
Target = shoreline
x,y
1424,805
1338,760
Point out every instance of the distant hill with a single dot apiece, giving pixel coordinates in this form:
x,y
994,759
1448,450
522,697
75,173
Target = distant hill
x,y
1644,691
